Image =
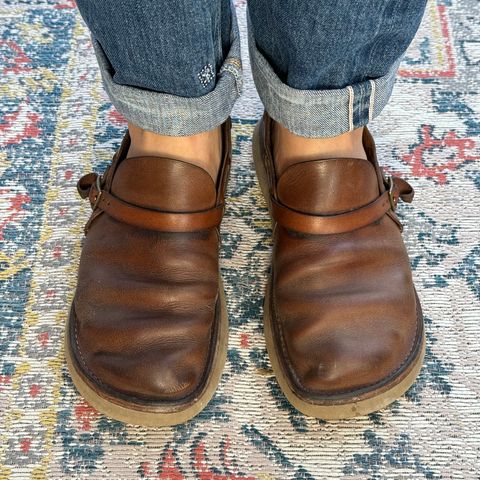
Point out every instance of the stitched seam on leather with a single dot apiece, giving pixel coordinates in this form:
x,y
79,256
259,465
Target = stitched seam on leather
x,y
280,331
391,214
81,354
277,324
128,397
342,392
93,216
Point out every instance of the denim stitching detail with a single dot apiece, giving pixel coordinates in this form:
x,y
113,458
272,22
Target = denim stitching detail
x,y
372,100
230,66
206,75
351,95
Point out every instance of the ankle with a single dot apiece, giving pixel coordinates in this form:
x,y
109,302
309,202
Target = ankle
x,y
203,149
289,148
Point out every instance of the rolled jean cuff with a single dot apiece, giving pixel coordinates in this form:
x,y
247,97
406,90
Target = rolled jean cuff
x,y
319,113
173,115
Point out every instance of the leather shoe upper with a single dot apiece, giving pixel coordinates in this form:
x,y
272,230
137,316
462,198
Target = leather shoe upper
x,y
344,308
146,304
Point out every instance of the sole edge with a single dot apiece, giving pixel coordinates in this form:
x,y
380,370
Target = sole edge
x,y
324,412
150,418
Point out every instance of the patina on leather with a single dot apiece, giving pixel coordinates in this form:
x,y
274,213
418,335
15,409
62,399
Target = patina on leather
x,y
145,314
345,315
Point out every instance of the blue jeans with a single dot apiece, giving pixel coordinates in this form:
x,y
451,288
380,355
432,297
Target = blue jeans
x,y
321,67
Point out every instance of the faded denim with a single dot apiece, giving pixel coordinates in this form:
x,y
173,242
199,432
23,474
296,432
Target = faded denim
x,y
169,67
321,67
324,67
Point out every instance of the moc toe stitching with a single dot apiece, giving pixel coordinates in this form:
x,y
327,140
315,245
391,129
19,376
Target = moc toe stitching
x,y
371,387
195,388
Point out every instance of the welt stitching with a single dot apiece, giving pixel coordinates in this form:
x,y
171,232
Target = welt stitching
x,y
283,344
81,354
109,390
384,380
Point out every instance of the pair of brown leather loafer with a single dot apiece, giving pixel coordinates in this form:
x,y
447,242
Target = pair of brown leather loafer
x,y
146,339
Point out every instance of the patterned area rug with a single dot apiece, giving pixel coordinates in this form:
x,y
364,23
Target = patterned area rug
x,y
57,124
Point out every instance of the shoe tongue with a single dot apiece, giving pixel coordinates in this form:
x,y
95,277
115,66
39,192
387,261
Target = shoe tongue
x,y
331,186
164,184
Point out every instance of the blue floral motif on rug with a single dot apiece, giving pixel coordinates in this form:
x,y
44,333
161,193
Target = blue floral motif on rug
x,y
56,123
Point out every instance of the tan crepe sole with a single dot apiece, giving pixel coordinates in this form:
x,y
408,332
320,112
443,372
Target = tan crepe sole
x,y
339,410
154,415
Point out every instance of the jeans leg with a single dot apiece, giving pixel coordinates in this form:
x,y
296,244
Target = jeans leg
x,y
172,68
325,67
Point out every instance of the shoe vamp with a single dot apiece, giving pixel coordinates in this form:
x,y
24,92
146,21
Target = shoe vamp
x,y
344,306
145,306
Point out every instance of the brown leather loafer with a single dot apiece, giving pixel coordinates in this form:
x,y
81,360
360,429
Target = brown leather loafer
x,y
343,324
146,339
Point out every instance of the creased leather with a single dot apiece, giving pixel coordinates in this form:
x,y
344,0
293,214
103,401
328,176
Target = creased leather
x,y
344,309
145,303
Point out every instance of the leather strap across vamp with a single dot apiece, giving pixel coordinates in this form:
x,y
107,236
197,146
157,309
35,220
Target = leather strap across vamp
x,y
146,339
343,322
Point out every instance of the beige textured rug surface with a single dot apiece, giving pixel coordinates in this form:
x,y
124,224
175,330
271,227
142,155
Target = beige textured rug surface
x,y
56,124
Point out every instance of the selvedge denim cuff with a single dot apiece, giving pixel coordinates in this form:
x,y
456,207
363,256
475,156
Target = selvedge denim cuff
x,y
318,113
173,115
